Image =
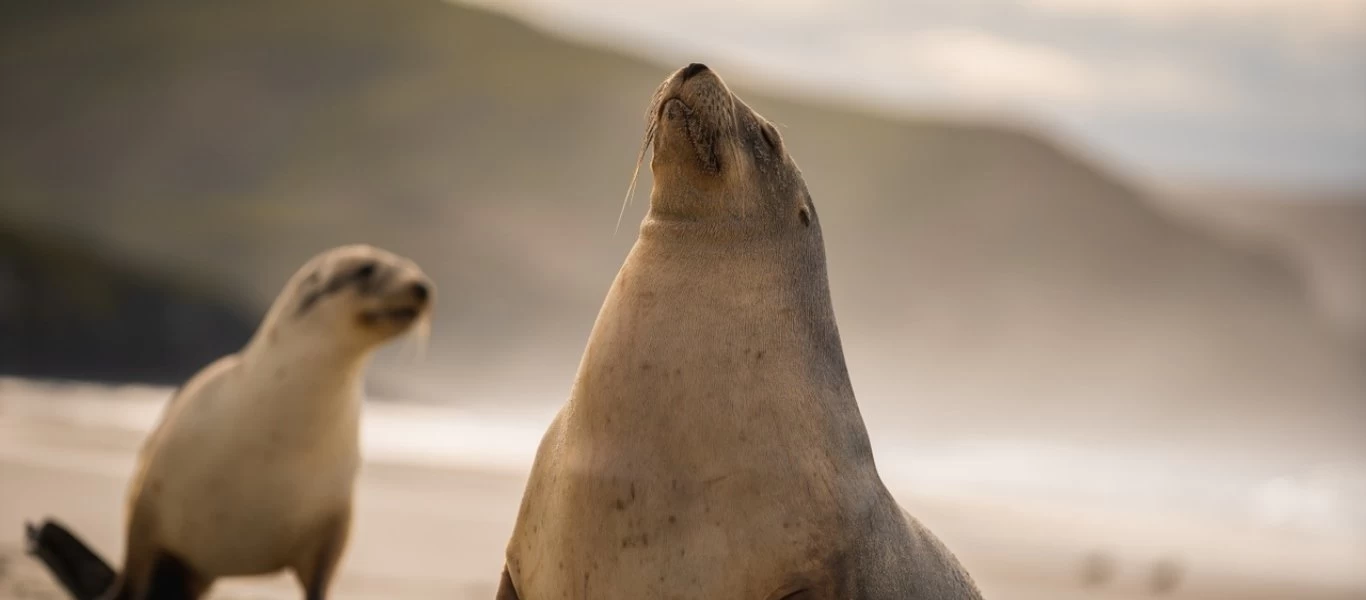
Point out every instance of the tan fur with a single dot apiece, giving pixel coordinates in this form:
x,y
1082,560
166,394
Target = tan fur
x,y
252,467
711,446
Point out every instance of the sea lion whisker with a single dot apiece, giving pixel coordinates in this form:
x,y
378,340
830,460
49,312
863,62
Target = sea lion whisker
x,y
651,128
640,159
420,338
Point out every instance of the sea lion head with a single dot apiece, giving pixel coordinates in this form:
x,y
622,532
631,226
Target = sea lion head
x,y
355,296
718,161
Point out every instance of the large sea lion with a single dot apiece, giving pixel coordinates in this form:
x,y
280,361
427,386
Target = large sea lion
x,y
711,446
252,467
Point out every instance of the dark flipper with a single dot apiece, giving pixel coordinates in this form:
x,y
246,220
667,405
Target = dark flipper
x,y
505,589
172,579
84,574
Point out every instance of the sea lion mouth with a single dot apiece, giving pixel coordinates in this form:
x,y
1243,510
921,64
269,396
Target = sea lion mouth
x,y
401,315
674,108
677,117
402,304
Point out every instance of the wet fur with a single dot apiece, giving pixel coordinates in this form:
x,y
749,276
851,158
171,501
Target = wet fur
x,y
712,446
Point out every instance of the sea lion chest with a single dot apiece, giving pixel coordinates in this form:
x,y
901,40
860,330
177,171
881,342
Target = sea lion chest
x,y
665,533
241,479
702,454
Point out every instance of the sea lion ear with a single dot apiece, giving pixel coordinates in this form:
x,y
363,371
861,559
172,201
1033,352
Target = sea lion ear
x,y
807,208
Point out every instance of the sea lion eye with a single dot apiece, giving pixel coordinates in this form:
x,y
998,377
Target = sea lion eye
x,y
365,271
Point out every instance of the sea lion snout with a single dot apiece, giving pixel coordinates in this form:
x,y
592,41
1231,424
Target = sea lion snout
x,y
419,291
416,290
714,156
692,122
408,295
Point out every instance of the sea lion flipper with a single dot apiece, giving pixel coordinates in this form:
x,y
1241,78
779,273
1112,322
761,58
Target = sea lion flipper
x,y
80,570
172,579
506,591
316,569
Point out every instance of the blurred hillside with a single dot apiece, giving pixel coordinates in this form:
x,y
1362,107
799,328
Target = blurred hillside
x,y
1322,233
989,282
65,309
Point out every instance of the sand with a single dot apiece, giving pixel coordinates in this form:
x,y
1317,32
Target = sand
x,y
438,531
419,532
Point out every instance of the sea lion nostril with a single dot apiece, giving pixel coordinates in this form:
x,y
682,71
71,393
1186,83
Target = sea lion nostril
x,y
691,70
420,291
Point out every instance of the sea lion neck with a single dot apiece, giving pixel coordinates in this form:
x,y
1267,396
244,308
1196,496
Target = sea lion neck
x,y
711,236
731,216
271,344
710,328
733,277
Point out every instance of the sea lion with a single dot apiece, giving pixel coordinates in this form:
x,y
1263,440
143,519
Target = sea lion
x,y
252,467
711,446
1165,576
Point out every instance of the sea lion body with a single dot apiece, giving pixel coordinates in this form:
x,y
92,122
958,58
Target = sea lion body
x,y
252,467
711,446
255,480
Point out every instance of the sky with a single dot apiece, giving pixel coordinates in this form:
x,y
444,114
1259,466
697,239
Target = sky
x,y
1259,92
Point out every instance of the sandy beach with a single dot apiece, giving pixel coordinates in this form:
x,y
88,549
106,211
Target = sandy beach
x,y
419,533
436,528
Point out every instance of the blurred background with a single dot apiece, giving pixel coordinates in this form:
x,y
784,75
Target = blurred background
x,y
1099,265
